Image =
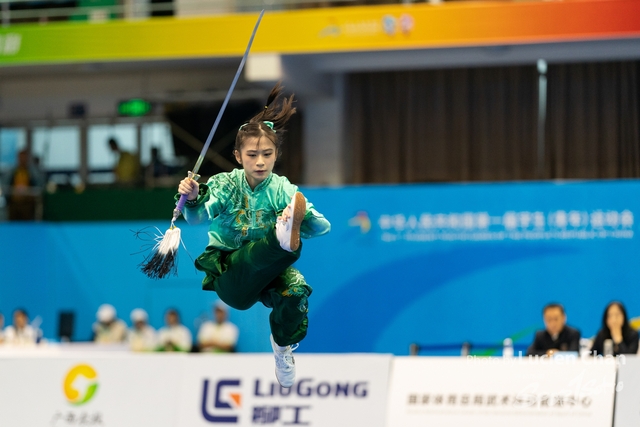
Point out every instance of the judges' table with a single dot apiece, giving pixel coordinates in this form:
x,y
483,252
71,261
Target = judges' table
x,y
496,392
628,393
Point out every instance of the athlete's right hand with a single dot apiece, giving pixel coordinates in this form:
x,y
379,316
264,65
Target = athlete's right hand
x,y
189,187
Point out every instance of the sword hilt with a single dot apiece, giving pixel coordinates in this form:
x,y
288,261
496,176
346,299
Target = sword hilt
x,y
183,199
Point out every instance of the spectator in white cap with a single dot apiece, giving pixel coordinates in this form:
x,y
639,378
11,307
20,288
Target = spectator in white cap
x,y
220,336
174,336
108,329
141,337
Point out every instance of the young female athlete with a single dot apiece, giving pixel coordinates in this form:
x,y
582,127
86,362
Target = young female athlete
x,y
256,221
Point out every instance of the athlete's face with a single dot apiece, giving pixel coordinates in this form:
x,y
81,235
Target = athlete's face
x,y
257,156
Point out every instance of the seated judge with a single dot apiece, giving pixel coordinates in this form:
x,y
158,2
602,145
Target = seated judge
x,y
557,335
615,327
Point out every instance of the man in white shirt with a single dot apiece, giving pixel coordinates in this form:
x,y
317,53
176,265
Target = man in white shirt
x,y
220,336
141,337
109,329
21,333
174,336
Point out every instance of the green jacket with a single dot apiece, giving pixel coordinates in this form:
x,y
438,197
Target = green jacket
x,y
237,214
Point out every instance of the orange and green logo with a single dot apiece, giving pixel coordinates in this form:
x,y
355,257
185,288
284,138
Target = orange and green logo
x,y
80,373
361,220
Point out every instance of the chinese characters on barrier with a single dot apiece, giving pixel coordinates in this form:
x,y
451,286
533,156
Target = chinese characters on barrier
x,y
495,400
81,419
287,415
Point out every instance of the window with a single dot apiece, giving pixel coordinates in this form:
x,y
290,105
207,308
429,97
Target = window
x,y
12,140
101,160
157,135
58,150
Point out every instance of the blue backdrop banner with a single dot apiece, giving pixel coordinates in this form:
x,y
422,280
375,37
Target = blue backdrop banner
x,y
430,264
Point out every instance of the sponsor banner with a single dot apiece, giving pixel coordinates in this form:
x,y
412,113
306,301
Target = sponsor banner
x,y
241,390
628,393
496,392
89,390
324,30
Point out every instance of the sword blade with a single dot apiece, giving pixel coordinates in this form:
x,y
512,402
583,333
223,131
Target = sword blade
x,y
226,99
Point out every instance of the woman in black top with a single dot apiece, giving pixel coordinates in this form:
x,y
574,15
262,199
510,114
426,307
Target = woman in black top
x,y
615,327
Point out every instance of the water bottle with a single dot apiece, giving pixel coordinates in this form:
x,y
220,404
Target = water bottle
x,y
585,347
608,348
507,348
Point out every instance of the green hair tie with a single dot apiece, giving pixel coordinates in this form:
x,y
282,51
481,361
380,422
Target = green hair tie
x,y
269,125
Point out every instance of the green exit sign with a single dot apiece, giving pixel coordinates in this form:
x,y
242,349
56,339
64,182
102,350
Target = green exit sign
x,y
134,108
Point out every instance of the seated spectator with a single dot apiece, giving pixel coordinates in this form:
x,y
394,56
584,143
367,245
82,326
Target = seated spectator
x,y
21,333
615,327
23,182
557,336
174,336
220,336
141,336
127,169
109,329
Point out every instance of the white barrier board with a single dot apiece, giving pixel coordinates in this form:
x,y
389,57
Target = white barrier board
x,y
56,389
89,390
628,393
241,390
496,392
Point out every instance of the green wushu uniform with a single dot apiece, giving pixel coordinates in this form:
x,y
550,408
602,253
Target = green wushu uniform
x,y
243,261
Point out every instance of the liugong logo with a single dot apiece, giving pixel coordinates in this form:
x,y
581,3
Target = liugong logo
x,y
224,401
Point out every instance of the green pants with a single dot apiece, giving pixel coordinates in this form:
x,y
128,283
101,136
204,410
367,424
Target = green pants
x,y
261,271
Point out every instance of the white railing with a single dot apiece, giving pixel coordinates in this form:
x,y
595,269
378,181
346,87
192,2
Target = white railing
x,y
29,11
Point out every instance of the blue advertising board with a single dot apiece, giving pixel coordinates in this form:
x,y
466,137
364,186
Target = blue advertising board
x,y
452,263
431,264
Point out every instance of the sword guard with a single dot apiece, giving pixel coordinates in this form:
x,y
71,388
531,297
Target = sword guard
x,y
193,176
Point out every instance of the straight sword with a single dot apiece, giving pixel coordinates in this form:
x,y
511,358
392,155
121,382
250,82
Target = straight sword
x,y
194,173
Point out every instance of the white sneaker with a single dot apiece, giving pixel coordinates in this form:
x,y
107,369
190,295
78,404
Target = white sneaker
x,y
285,364
288,232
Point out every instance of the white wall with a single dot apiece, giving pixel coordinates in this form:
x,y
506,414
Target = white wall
x,y
47,92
